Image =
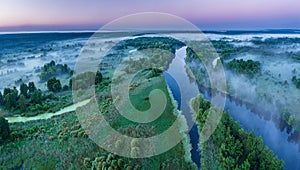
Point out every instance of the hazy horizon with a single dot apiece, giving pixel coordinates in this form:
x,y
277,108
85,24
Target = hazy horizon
x,y
35,15
94,29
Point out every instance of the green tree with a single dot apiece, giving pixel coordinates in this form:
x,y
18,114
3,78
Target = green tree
x,y
71,83
236,149
31,87
53,85
1,99
24,89
22,103
15,91
36,97
10,101
6,91
294,79
245,165
98,78
298,84
4,130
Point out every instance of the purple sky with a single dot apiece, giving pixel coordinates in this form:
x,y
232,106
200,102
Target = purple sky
x,y
206,14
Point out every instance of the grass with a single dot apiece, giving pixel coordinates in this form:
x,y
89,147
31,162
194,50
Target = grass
x,y
61,143
143,85
137,96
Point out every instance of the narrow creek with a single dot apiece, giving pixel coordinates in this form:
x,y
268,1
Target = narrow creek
x,y
183,89
15,119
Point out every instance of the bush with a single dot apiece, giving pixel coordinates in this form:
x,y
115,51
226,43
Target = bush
x,y
129,168
87,163
120,163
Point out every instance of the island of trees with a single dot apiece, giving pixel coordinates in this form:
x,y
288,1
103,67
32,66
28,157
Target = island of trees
x,y
52,69
248,68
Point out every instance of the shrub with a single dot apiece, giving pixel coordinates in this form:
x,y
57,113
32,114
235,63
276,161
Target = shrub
x,y
129,168
120,163
87,163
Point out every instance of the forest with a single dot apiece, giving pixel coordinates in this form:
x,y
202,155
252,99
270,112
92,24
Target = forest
x,y
30,101
230,147
248,68
52,69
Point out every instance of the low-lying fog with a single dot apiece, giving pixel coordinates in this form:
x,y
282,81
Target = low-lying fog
x,y
273,89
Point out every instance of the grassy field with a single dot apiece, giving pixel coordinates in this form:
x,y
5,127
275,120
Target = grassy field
x,y
61,142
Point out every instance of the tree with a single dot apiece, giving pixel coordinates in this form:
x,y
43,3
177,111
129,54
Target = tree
x,y
10,101
53,85
6,91
294,79
236,149
1,99
36,97
22,103
4,130
98,78
52,63
65,88
24,89
31,87
298,84
15,91
71,83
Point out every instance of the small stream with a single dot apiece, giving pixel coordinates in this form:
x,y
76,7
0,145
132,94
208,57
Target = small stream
x,y
183,89
15,119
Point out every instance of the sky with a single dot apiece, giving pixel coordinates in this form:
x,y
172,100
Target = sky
x,y
92,14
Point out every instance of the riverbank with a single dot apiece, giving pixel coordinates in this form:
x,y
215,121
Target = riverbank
x,y
230,146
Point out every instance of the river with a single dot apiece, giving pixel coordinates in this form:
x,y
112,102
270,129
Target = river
x,y
183,90
186,89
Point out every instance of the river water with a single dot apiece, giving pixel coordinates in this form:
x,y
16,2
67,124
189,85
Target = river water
x,y
184,89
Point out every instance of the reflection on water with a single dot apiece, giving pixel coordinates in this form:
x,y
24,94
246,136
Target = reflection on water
x,y
183,90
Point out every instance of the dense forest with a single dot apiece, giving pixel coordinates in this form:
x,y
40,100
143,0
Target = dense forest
x,y
248,68
230,147
52,69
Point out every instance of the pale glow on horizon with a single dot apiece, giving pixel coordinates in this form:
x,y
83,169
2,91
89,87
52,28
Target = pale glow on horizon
x,y
264,13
